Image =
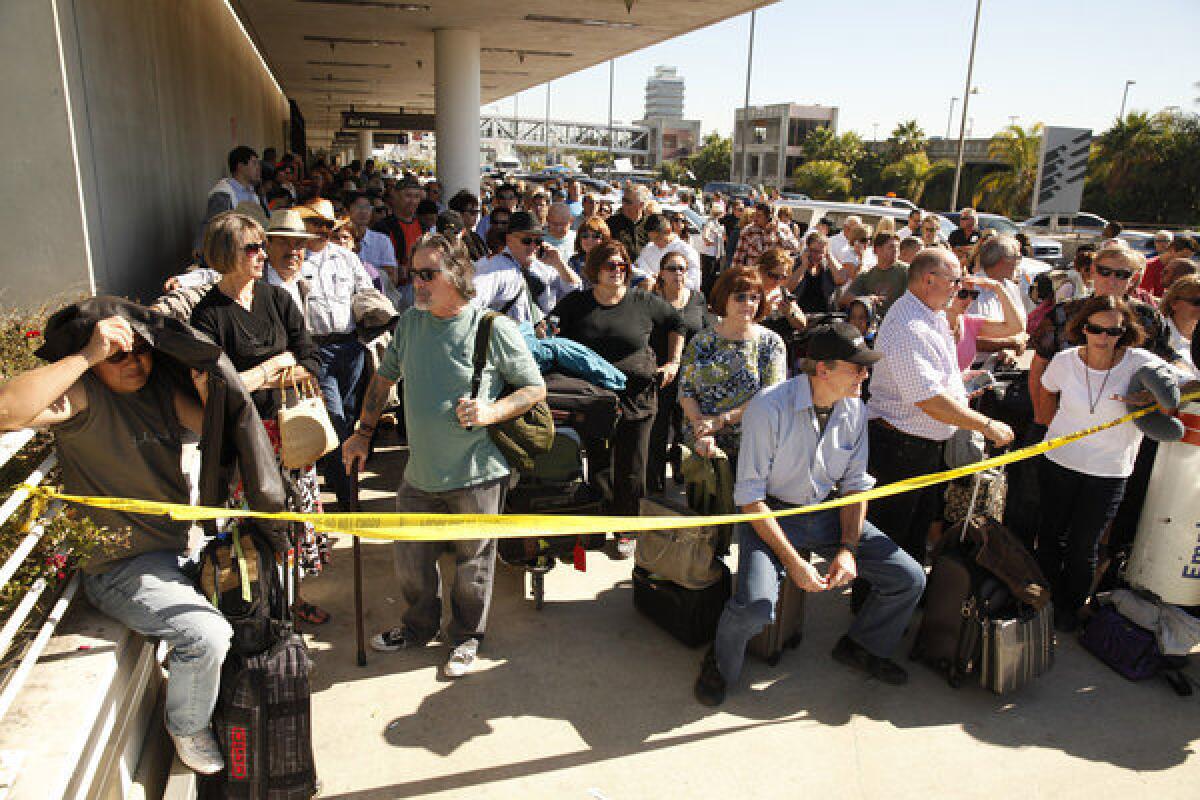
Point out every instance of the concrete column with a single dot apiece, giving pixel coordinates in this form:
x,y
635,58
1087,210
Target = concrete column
x,y
366,144
456,93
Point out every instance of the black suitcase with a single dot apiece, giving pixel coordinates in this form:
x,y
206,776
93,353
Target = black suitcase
x,y
690,615
945,638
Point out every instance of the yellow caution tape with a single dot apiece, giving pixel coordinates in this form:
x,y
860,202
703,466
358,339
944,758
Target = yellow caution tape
x,y
422,526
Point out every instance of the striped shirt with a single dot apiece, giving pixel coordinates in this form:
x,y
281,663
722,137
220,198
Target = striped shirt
x,y
919,362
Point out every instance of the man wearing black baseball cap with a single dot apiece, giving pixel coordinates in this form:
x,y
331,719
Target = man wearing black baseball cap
x,y
805,441
527,279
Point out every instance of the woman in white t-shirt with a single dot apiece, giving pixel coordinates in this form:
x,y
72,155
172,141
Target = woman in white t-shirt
x,y
1086,478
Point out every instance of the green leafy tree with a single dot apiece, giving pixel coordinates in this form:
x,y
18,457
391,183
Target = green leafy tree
x,y
907,138
912,172
1009,190
868,174
674,171
712,159
589,160
822,144
822,179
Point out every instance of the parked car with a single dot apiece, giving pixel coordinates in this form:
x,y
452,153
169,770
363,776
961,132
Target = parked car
x,y
1044,248
793,196
1071,230
1141,241
1065,223
890,202
742,190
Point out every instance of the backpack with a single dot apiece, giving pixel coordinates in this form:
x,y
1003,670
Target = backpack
x,y
239,576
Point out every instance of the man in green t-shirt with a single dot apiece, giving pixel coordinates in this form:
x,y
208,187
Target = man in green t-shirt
x,y
884,282
453,466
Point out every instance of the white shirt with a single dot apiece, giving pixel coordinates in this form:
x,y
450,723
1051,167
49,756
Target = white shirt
x,y
841,249
920,360
905,232
565,245
988,304
651,256
376,249
292,287
1182,346
1110,453
498,280
335,275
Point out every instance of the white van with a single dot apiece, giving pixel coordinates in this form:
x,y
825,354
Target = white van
x,y
809,212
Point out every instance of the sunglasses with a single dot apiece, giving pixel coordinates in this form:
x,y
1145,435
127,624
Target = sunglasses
x,y
963,294
1108,272
470,211
675,268
528,240
591,235
746,297
777,276
254,248
1100,329
140,348
1195,301
615,266
930,230
426,275
628,201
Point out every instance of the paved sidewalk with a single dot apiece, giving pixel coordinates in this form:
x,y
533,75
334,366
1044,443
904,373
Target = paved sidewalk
x,y
587,699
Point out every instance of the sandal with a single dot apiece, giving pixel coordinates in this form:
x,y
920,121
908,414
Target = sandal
x,y
311,614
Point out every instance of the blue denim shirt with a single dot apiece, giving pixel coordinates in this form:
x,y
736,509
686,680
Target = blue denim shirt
x,y
784,455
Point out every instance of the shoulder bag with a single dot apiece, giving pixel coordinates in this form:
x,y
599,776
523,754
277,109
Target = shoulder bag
x,y
305,430
522,437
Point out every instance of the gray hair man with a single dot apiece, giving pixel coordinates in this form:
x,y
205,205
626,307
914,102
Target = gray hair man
x,y
918,399
453,465
999,259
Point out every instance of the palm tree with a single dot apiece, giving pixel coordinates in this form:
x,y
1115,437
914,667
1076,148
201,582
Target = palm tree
x,y
1123,150
822,179
913,172
908,137
1010,190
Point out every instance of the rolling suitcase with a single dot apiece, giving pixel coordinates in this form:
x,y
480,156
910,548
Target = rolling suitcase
x,y
690,615
786,630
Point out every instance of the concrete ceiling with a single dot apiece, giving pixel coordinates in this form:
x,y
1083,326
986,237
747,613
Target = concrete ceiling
x,y
381,56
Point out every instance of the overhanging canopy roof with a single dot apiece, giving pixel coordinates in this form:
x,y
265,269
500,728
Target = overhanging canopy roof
x,y
378,54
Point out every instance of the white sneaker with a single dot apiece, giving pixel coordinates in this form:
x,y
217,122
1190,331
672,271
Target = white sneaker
x,y
199,752
462,659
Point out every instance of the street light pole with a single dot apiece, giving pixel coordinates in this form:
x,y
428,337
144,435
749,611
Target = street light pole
x,y
546,130
746,103
1124,97
962,128
950,116
610,130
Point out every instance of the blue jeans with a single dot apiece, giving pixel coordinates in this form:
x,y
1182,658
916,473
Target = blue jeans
x,y
341,374
897,582
150,594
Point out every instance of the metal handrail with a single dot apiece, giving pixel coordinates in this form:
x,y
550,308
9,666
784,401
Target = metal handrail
x,y
11,444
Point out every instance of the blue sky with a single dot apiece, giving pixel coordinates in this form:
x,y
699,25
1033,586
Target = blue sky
x,y
1061,62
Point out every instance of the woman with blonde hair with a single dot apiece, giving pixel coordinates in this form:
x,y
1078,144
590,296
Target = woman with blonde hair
x,y
263,332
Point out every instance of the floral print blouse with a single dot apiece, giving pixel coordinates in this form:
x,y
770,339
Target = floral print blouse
x,y
722,374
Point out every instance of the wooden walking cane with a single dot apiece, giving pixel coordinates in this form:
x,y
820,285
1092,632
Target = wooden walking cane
x,y
359,631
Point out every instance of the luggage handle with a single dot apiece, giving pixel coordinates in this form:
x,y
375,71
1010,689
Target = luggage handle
x,y
976,480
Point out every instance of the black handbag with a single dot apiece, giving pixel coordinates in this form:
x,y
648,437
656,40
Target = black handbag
x,y
524,436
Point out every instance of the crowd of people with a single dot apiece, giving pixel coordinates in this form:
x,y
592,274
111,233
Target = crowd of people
x,y
819,362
